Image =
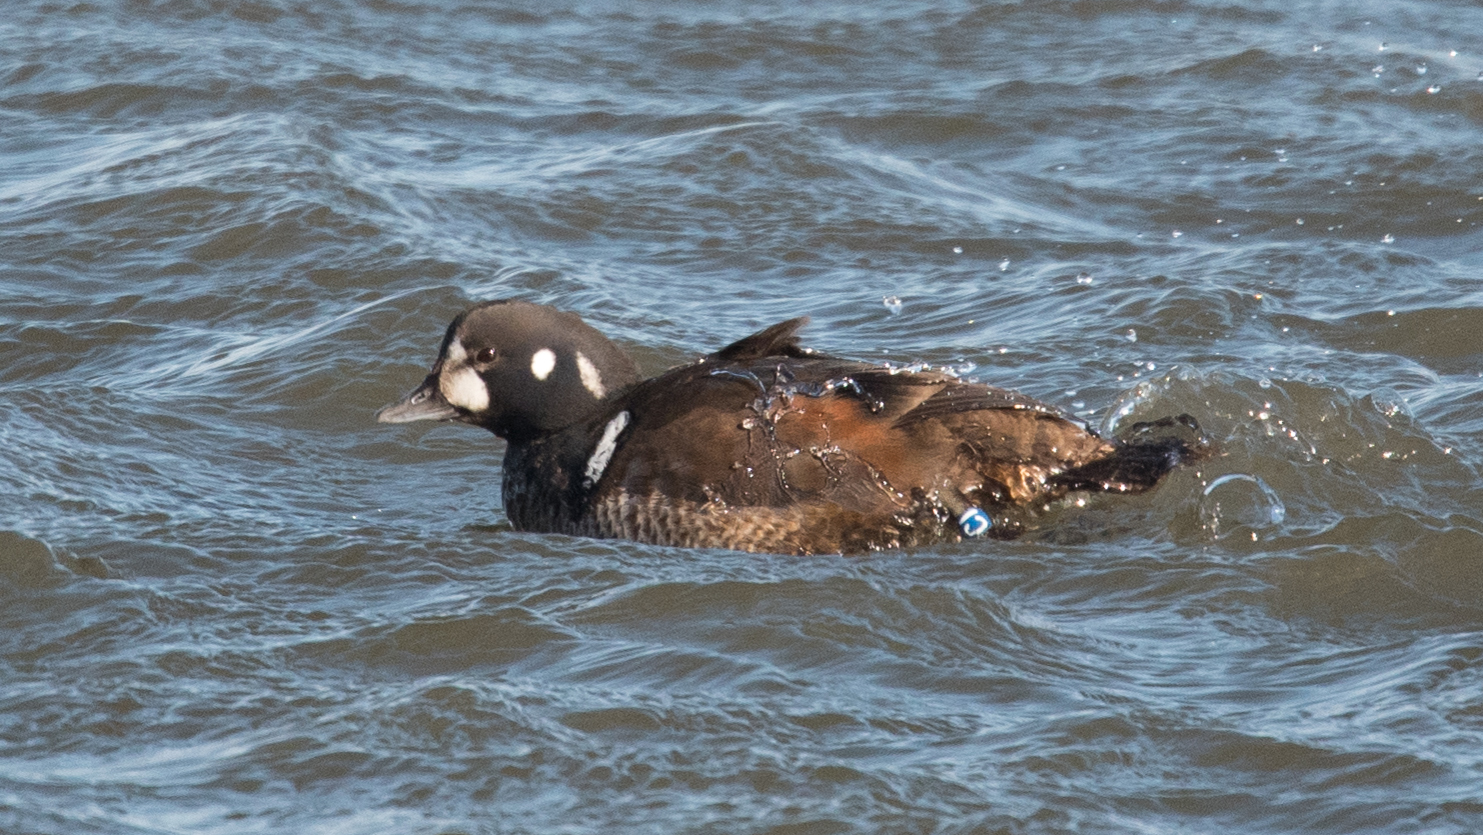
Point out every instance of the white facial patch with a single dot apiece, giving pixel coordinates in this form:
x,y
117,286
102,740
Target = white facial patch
x,y
455,353
460,384
603,452
591,378
464,388
541,363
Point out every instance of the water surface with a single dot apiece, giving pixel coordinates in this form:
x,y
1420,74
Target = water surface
x,y
231,602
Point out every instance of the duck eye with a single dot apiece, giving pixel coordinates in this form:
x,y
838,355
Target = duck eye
x,y
485,355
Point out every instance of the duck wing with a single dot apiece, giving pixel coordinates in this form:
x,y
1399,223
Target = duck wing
x,y
780,340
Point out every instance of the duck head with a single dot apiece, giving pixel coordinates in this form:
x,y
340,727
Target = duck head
x,y
518,369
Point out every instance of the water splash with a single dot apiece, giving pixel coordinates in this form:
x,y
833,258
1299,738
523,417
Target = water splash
x,y
1238,503
1388,402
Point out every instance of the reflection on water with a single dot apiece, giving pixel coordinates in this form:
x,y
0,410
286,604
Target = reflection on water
x,y
233,602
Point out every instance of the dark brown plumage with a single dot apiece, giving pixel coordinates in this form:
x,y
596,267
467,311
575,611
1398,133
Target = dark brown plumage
x,y
762,445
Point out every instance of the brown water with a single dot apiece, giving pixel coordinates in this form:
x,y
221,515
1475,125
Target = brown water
x,y
231,602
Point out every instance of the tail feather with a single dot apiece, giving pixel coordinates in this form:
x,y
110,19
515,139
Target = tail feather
x,y
1144,455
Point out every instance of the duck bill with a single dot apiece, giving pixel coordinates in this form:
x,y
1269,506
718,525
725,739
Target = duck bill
x,y
424,403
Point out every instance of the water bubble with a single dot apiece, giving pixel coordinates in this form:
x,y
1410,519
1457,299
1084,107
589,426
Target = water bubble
x,y
1435,88
893,304
1238,502
1300,221
1387,401
1177,234
1132,335
957,250
1377,69
1084,278
1387,238
1004,265
1383,45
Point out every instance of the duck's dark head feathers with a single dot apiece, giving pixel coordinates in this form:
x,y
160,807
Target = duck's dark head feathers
x,y
519,369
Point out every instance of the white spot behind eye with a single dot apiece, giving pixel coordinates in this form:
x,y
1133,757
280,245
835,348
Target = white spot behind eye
x,y
603,452
541,363
591,377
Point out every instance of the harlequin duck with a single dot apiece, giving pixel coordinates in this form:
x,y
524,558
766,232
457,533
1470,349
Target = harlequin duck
x,y
763,445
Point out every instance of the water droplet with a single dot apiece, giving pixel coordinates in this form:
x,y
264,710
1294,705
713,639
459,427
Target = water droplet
x,y
893,304
1084,278
1264,382
1382,46
1318,47
1177,234
1377,69
1132,335
1421,69
1300,221
957,250
1387,238
1435,88
1238,502
1387,401
1004,265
